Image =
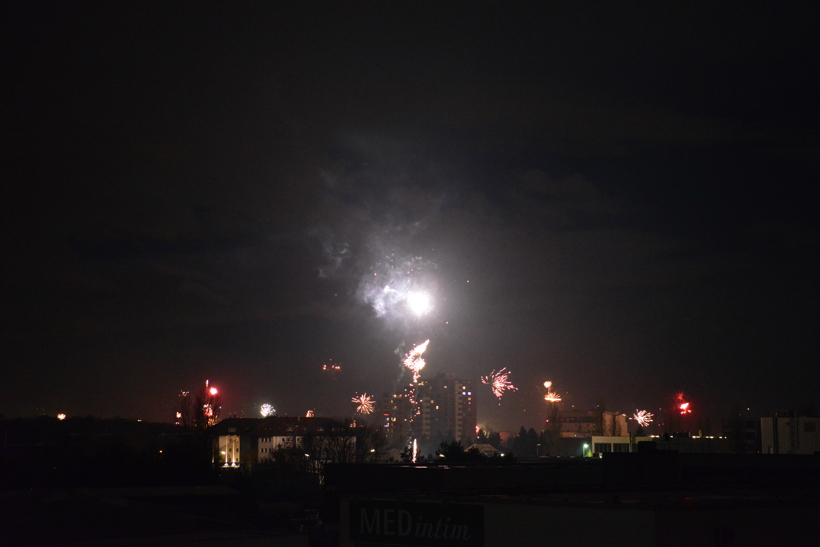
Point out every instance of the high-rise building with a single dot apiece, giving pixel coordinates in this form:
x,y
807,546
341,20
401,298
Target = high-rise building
x,y
438,408
448,408
397,419
466,410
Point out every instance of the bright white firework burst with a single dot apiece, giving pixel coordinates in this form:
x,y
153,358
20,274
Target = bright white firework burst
x,y
643,417
365,403
419,303
414,361
266,410
399,286
499,381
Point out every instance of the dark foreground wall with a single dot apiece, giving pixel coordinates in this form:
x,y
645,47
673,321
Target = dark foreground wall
x,y
629,523
463,478
656,469
653,499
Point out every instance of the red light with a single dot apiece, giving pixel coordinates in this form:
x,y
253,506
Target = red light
x,y
213,391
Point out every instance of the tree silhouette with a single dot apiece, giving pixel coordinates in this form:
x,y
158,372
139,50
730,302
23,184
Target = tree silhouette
x,y
452,451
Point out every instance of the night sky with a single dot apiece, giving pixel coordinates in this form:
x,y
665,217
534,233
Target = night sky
x,y
621,199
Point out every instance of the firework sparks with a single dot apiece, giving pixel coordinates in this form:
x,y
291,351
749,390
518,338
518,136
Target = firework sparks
x,y
499,382
414,361
332,368
643,417
682,404
365,403
266,410
210,408
551,396
309,414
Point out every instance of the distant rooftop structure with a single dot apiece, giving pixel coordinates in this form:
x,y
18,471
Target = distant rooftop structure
x,y
485,449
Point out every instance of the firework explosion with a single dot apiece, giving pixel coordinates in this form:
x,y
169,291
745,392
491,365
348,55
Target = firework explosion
x,y
210,407
643,417
499,381
551,396
365,403
400,287
419,302
266,410
309,414
414,361
682,404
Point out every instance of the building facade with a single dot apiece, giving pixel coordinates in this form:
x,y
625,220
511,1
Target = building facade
x,y
448,408
240,442
585,423
790,435
397,419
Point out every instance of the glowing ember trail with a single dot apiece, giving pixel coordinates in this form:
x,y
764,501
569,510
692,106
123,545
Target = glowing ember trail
x,y
643,417
414,361
499,381
365,403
